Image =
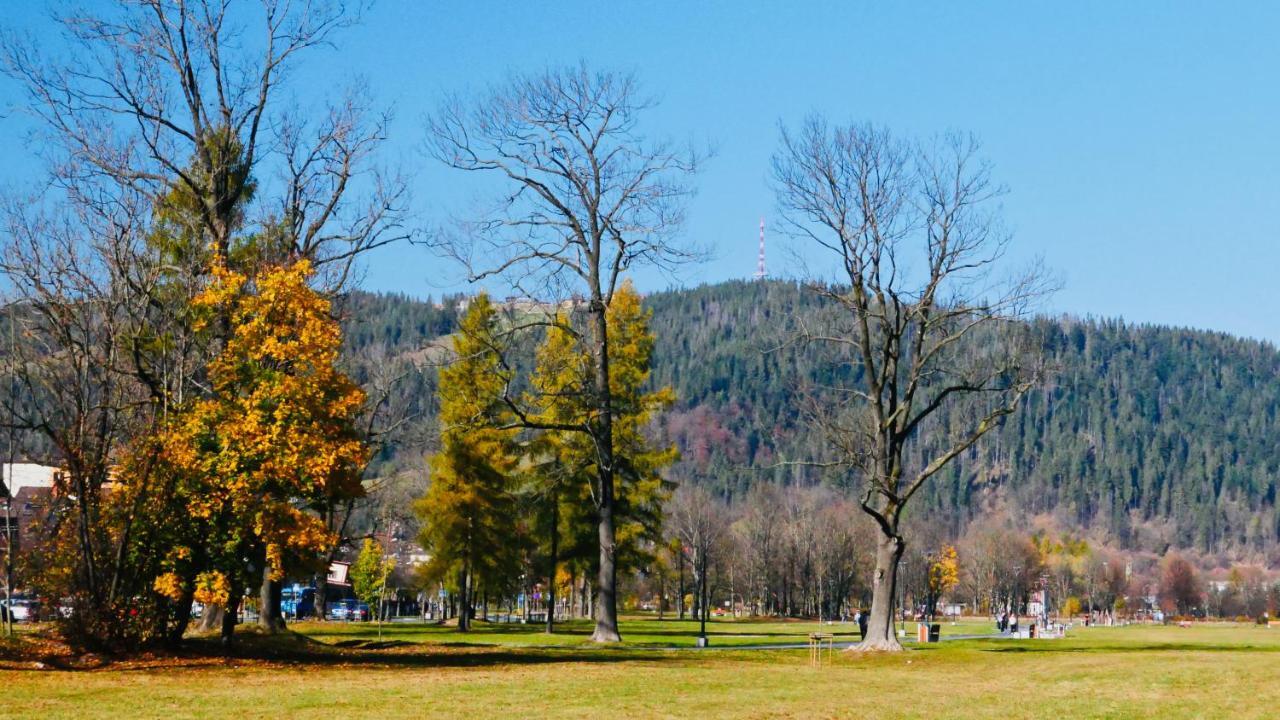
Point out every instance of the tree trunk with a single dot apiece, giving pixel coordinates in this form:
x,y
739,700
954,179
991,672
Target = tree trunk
x,y
680,597
606,604
270,617
229,616
662,595
182,618
464,600
606,608
880,631
212,618
702,600
320,605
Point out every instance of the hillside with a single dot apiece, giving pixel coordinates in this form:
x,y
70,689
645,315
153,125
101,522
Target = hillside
x,y
1154,436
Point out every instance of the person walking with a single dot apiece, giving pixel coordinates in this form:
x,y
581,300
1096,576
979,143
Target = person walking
x,y
862,624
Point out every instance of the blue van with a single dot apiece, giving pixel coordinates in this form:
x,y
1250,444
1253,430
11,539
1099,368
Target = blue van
x,y
297,601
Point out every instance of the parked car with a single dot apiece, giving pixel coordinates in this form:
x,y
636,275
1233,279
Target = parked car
x,y
24,609
336,610
361,613
348,610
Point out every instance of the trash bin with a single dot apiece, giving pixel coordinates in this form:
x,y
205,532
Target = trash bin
x,y
935,632
922,633
1031,631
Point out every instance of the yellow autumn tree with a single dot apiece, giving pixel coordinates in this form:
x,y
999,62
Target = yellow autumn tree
x,y
944,575
469,518
275,437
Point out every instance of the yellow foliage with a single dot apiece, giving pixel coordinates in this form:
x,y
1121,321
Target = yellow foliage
x,y
212,588
276,433
1072,606
563,387
169,585
944,573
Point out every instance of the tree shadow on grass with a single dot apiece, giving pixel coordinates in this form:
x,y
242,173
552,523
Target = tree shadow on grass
x,y
293,650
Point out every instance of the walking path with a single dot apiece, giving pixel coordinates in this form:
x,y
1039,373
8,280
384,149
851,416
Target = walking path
x,y
839,645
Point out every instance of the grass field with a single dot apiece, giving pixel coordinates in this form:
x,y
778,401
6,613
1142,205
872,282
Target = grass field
x,y
414,671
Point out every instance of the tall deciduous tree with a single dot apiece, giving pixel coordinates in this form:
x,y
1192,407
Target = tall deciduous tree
x,y
165,99
1180,587
469,512
912,233
276,437
162,105
586,197
700,522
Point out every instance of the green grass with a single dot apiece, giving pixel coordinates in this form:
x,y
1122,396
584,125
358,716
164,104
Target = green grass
x,y
1136,672
646,632
637,632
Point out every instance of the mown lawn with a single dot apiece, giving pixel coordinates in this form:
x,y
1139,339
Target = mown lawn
x,y
344,671
637,632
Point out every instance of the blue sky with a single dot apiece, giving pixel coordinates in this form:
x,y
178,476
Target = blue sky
x,y
1140,141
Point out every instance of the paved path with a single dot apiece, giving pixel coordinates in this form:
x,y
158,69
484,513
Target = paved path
x,y
838,645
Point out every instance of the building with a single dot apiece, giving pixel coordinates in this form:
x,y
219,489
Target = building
x,y
16,476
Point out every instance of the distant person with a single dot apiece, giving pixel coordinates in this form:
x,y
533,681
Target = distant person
x,y
1013,623
862,624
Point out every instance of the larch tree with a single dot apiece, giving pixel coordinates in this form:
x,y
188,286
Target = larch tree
x,y
469,512
560,390
585,197
916,244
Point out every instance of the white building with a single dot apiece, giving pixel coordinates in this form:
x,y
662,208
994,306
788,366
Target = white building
x,y
16,476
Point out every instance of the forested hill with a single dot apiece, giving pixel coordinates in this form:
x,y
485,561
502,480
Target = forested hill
x,y
1156,436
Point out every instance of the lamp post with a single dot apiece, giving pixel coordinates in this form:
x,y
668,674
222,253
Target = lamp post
x,y
1106,579
1014,587
902,596
929,600
1044,600
8,484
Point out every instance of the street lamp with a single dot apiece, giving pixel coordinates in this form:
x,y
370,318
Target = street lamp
x,y
929,600
902,596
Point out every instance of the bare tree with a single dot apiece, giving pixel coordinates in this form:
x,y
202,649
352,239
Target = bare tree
x,y
701,522
163,99
165,105
585,198
68,369
759,534
918,323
